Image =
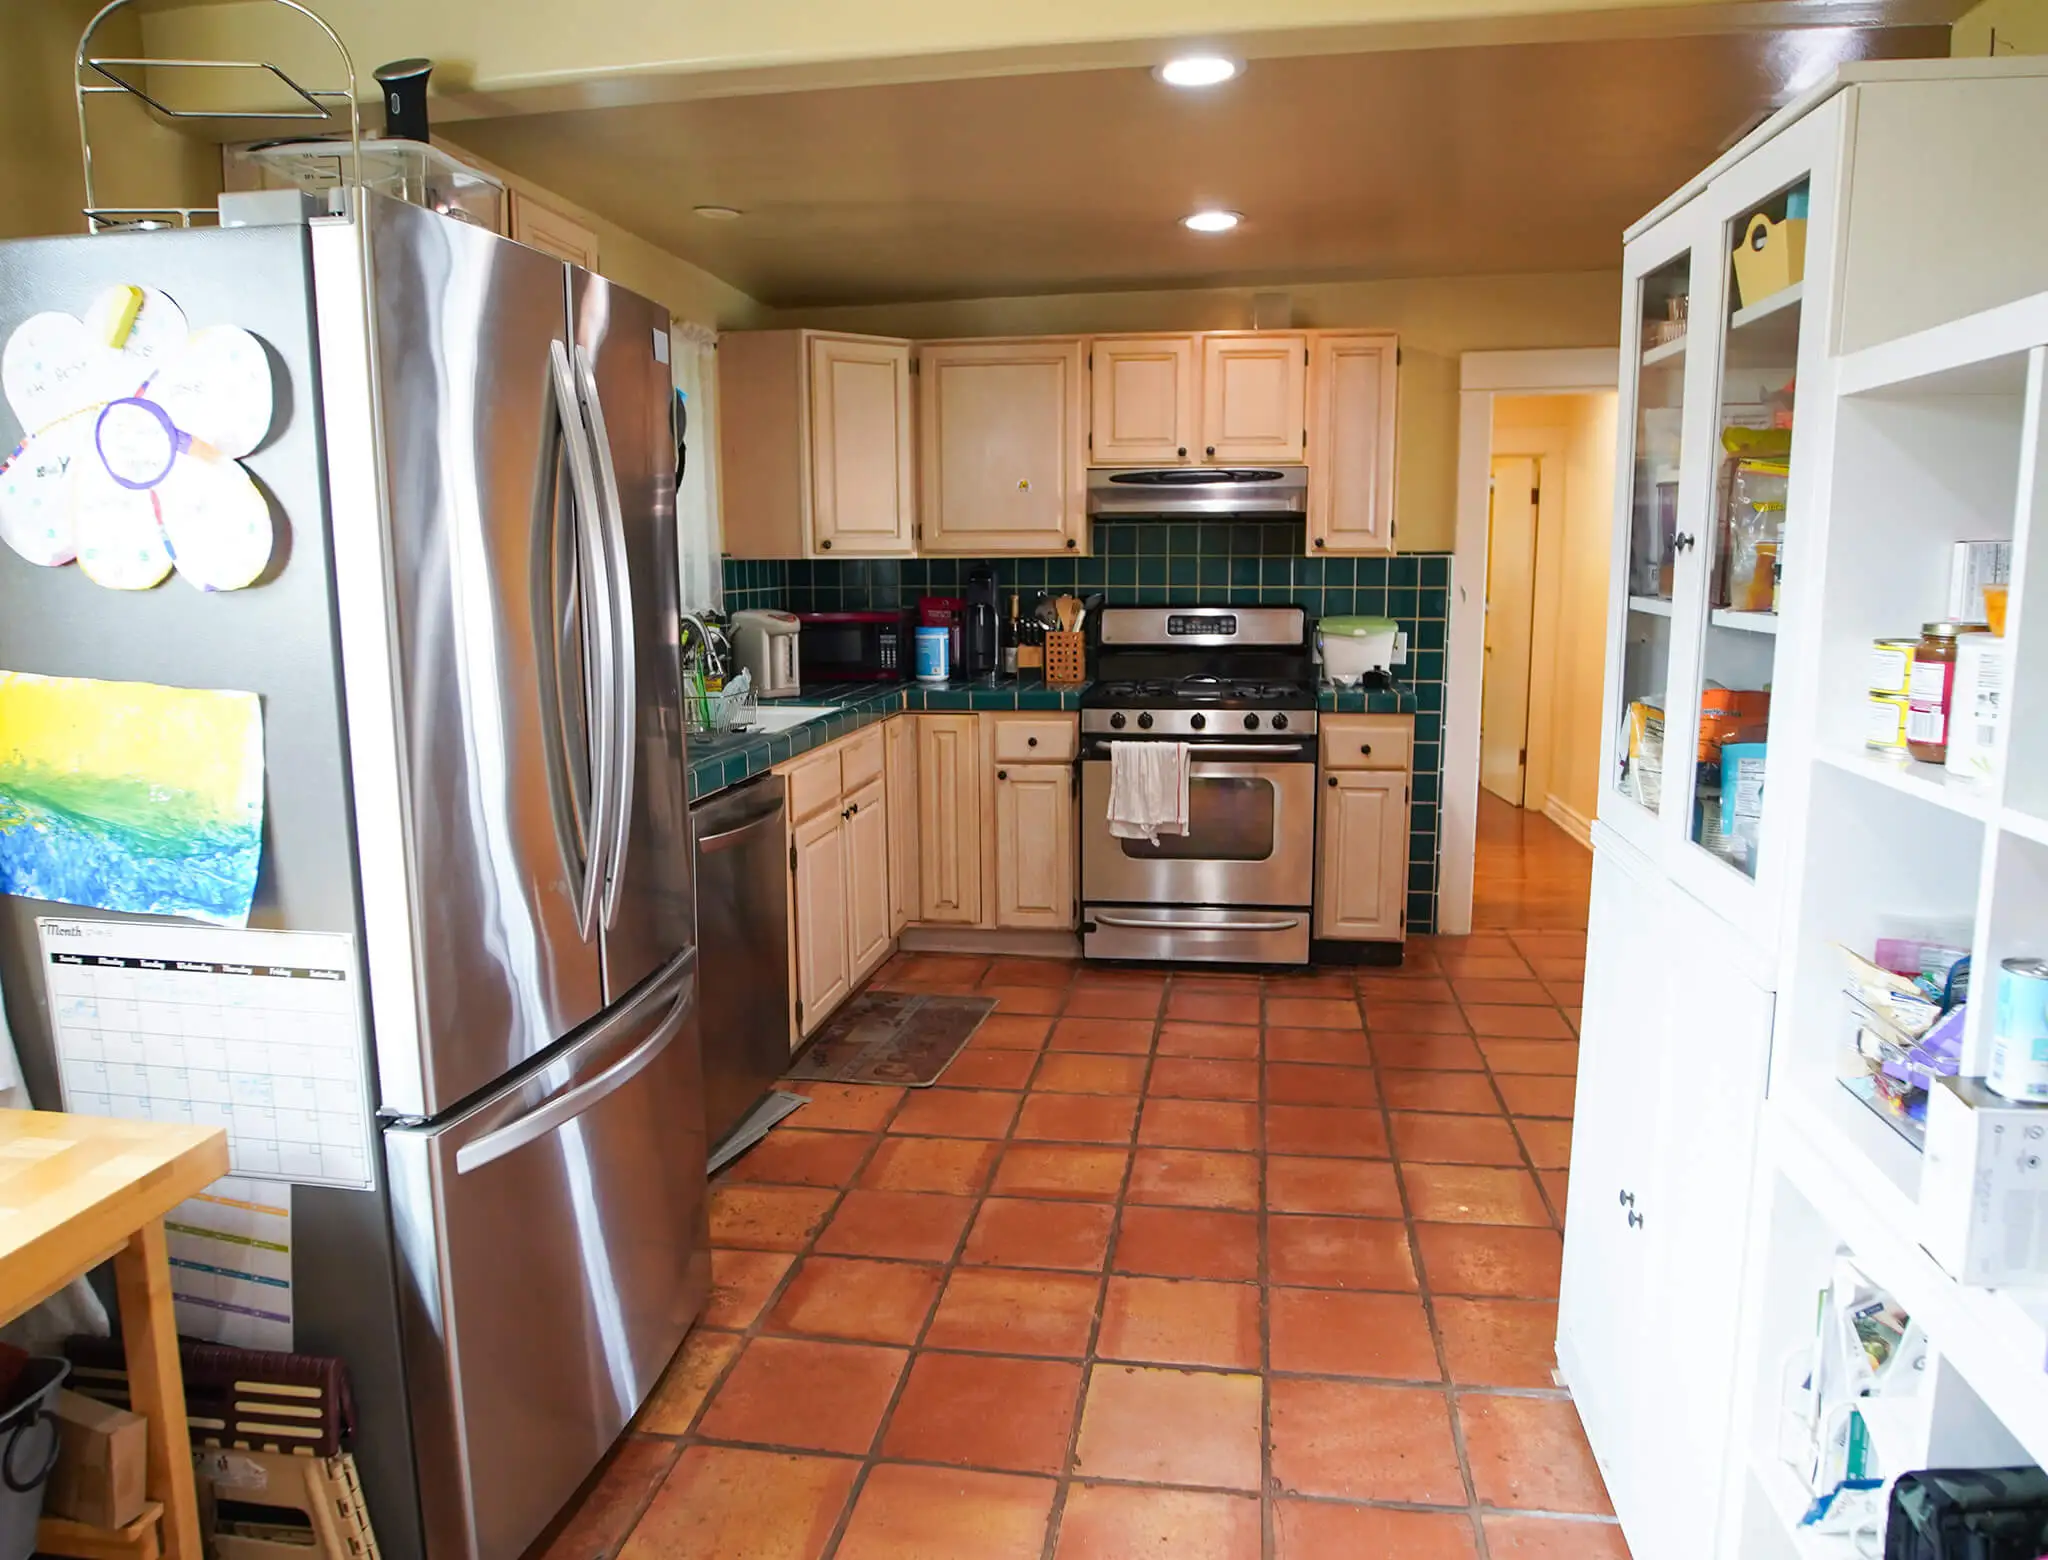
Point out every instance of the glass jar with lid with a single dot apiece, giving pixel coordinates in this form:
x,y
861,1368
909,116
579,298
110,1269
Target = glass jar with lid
x,y
1931,692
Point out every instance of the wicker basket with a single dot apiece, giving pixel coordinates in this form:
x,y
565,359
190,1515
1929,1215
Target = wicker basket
x,y
1066,658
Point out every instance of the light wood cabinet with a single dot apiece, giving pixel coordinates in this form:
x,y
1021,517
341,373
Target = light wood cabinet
x,y
1003,447
949,818
841,915
824,967
900,738
816,445
866,836
1351,385
543,228
1362,856
1035,846
1254,396
1143,409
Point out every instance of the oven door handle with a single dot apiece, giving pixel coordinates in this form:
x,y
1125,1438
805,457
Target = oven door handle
x,y
1136,923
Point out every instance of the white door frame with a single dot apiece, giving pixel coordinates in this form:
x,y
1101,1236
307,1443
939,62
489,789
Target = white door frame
x,y
1481,377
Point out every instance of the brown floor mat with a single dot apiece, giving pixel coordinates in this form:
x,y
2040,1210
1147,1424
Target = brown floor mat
x,y
896,1037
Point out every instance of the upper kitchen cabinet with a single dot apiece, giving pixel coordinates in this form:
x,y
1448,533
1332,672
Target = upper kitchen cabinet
x,y
1254,396
1145,411
815,445
1003,459
1351,379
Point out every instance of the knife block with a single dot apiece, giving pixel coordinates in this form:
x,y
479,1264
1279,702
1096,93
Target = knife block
x,y
1066,659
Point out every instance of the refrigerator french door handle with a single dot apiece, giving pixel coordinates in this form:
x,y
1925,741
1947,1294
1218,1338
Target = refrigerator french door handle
x,y
571,1103
599,631
625,751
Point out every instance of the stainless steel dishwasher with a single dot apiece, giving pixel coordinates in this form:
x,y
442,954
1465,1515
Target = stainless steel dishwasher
x,y
742,947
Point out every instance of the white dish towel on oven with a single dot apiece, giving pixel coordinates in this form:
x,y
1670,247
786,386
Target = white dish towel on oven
x,y
1148,789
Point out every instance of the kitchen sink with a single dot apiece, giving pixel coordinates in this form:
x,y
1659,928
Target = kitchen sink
x,y
781,717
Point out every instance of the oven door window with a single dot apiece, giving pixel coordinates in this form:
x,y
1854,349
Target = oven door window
x,y
1229,819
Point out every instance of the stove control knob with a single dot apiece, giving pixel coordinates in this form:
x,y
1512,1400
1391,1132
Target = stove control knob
x,y
1197,722
1116,721
1251,723
1145,722
1279,722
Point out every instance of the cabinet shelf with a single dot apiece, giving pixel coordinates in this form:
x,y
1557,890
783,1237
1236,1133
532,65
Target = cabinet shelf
x,y
1929,782
1766,334
1746,622
1656,606
1672,351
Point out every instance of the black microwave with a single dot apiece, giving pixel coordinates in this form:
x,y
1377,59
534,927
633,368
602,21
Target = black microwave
x,y
855,646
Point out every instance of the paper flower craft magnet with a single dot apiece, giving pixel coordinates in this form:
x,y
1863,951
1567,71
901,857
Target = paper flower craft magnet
x,y
136,428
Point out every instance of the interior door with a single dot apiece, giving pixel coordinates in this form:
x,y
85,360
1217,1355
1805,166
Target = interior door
x,y
1510,622
648,909
862,498
1254,396
481,514
1143,408
1364,868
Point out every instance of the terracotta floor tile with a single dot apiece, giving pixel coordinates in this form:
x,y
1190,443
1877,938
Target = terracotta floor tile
x,y
1010,1030
1548,1538
1313,1012
741,1282
1552,1058
723,1502
1424,1138
1473,1194
1000,1311
1325,1130
945,966
601,1513
1545,940
1015,1232
1300,1083
919,1226
1238,1042
962,1113
1478,1259
1170,1427
1315,1252
767,1218
1364,1442
1077,1118
983,1411
797,1392
1180,1321
1116,1036
1517,1023
958,1167
856,1299
1189,1078
1556,968
1522,992
1217,982
1030,972
1549,1142
1403,988
1015,1000
1499,1343
687,1382
1426,1053
1208,1006
1119,1522
791,1157
973,1069
1060,1170
1502,966
1225,1124
1332,1332
1316,1530
1115,1002
1491,942
1194,1178
1414,1018
1078,1072
1312,983
1339,1047
947,1514
1531,1096
845,1107
1459,1092
1556,1185
1097,976
1566,993
1359,1186
1530,1453
1188,1243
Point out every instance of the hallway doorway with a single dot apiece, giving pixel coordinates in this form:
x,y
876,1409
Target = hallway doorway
x,y
1510,615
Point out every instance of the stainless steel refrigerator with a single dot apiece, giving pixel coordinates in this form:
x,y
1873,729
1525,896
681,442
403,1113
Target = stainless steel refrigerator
x,y
465,648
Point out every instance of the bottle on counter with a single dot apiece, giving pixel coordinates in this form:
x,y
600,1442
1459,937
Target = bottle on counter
x,y
1010,639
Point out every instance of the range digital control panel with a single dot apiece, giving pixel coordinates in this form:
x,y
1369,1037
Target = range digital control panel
x,y
1202,623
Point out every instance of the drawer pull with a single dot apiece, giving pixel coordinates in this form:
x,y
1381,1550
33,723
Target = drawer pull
x,y
1002,774
1031,742
1365,749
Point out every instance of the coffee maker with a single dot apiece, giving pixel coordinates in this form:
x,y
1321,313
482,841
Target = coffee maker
x,y
981,650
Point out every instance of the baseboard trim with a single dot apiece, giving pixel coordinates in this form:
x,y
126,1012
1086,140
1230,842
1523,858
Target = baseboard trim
x,y
1569,819
977,939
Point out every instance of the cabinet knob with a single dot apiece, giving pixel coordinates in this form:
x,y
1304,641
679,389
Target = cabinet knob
x,y
1211,450
1635,1220
826,545
1002,774
1365,749
1628,1199
853,809
1072,544
1333,782
1182,451
1031,742
1319,541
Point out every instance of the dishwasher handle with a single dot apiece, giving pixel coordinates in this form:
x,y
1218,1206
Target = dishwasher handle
x,y
731,839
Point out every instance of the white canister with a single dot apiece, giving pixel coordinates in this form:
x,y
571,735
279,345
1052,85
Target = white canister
x,y
934,652
2019,1045
1975,702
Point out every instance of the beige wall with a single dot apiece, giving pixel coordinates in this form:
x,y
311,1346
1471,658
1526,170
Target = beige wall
x,y
1437,318
2017,27
1576,433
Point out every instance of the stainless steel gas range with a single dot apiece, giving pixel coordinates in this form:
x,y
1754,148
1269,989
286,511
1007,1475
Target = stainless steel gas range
x,y
1237,685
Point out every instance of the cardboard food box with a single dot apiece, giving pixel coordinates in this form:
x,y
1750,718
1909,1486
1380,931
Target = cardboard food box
x,y
102,1463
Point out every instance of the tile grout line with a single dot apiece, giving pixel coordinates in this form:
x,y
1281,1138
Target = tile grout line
x,y
1269,1494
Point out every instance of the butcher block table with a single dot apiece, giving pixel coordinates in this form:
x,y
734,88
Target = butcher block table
x,y
77,1190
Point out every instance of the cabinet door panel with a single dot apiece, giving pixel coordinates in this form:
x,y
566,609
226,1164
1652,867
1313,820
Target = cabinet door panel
x,y
1035,846
901,738
1363,871
862,494
823,968
1143,406
1254,396
1351,472
949,818
1003,459
867,878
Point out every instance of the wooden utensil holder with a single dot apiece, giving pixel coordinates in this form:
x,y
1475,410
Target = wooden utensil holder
x,y
1066,659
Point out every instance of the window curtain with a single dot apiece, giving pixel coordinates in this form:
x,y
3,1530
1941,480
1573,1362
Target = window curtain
x,y
694,362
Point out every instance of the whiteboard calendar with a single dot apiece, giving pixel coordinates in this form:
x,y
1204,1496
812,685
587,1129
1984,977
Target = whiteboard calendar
x,y
257,1032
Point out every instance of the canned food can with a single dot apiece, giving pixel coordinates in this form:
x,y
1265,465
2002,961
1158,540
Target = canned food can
x,y
1891,665
934,652
1885,727
2019,1045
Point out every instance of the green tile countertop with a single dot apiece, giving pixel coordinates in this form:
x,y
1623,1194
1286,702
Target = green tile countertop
x,y
1397,700
726,760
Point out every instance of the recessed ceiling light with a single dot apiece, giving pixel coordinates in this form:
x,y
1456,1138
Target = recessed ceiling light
x,y
1198,70
717,213
1210,221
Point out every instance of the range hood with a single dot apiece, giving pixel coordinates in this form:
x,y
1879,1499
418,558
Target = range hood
x,y
1172,492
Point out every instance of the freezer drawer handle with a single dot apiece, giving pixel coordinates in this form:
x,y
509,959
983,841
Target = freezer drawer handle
x,y
624,666
1137,924
515,1135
